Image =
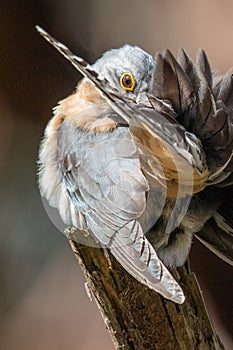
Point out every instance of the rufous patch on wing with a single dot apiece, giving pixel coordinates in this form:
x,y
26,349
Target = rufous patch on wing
x,y
194,184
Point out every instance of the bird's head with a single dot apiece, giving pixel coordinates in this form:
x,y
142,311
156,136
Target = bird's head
x,y
128,70
125,72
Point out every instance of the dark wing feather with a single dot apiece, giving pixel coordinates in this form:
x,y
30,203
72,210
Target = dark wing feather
x,y
171,83
188,66
203,64
102,175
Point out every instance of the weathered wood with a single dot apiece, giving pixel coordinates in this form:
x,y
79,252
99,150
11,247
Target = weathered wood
x,y
139,318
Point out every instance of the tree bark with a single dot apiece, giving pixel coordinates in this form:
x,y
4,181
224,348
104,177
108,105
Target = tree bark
x,y
139,318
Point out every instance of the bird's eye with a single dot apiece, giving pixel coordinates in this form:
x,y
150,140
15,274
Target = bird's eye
x,y
127,81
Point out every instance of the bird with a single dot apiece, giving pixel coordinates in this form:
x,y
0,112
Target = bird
x,y
140,157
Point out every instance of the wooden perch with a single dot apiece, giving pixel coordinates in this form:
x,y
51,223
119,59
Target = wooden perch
x,y
139,318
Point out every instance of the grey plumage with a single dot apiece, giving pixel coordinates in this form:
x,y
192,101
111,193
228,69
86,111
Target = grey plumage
x,y
161,173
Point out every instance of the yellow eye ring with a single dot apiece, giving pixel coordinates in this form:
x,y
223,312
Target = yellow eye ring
x,y
127,81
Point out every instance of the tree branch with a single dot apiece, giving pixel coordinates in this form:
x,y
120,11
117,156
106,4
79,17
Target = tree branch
x,y
139,318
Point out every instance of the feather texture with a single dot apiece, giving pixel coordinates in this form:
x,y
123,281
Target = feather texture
x,y
104,181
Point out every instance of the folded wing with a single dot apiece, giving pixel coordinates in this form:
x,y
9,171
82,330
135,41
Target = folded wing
x,y
103,177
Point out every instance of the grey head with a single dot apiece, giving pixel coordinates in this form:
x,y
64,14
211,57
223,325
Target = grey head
x,y
126,65
110,71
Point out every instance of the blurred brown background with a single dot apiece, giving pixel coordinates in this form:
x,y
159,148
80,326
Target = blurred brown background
x,y
43,303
